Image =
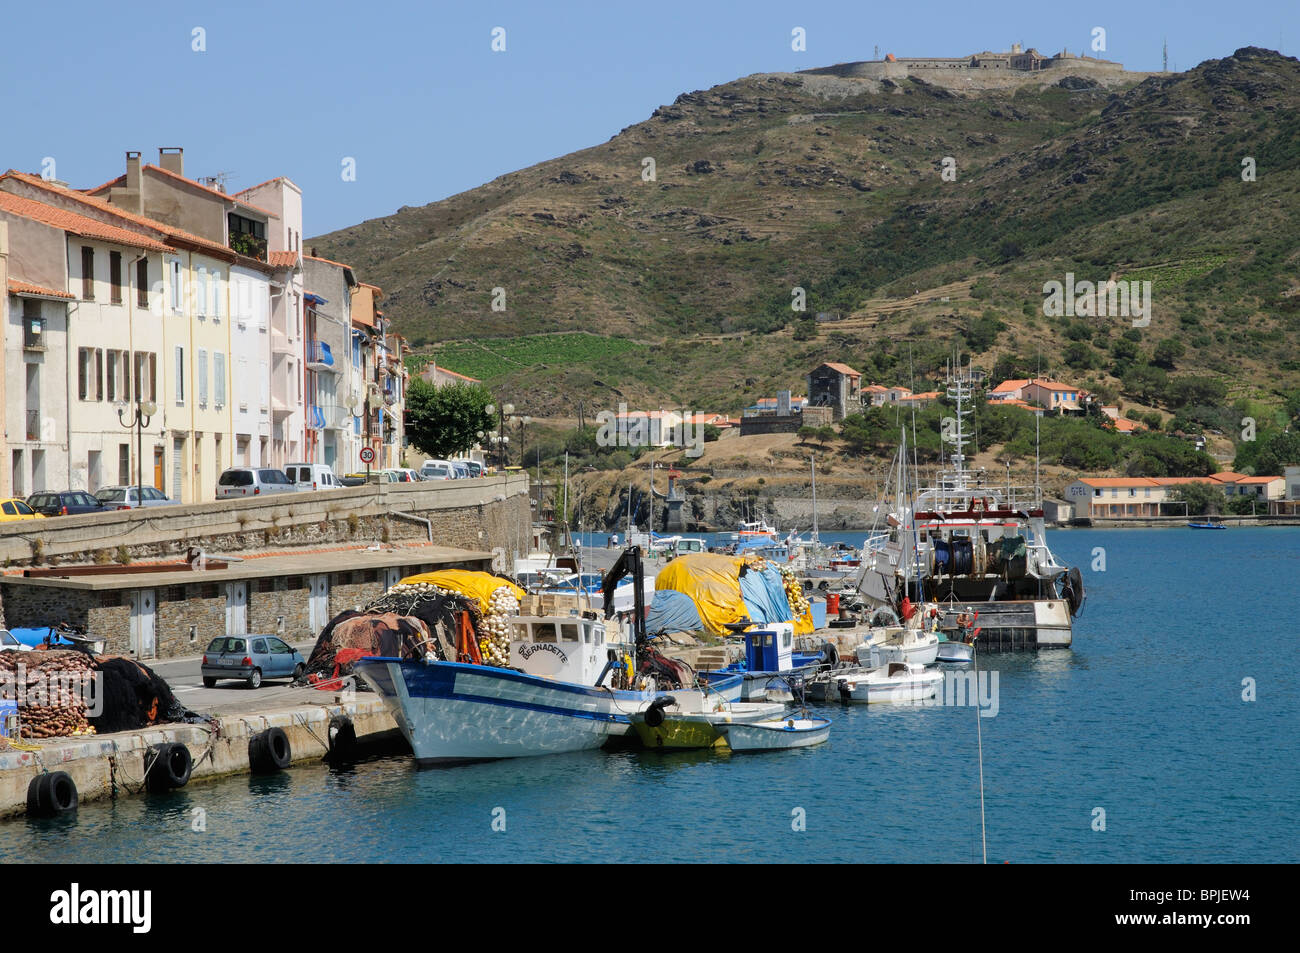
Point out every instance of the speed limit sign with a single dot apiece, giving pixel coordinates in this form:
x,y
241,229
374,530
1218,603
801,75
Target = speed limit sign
x,y
367,455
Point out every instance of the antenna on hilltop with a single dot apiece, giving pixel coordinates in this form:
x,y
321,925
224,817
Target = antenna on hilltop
x,y
876,53
1165,56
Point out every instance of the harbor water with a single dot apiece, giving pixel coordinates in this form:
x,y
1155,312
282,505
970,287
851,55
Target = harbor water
x,y
1139,744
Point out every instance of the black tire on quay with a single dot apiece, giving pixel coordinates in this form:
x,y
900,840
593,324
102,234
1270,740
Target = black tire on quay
x,y
299,671
269,751
51,794
169,767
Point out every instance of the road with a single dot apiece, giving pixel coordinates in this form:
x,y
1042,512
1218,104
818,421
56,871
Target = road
x,y
182,675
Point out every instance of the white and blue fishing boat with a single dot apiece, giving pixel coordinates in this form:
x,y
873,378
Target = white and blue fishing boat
x,y
554,698
771,667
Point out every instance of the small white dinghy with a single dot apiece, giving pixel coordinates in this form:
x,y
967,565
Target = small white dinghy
x,y
956,652
898,682
776,734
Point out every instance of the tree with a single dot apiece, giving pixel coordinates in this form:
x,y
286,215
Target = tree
x,y
1167,352
444,421
1201,498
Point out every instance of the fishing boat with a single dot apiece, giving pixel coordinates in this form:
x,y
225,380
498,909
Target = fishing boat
x,y
1210,524
453,712
950,651
909,644
694,719
777,734
770,664
965,540
897,683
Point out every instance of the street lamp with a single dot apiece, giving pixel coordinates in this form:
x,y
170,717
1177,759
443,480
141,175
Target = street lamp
x,y
499,435
140,415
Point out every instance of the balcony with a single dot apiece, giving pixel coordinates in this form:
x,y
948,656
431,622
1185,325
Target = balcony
x,y
281,343
34,334
315,417
248,244
337,417
319,356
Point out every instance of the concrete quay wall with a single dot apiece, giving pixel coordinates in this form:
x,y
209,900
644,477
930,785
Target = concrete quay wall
x,y
487,513
107,766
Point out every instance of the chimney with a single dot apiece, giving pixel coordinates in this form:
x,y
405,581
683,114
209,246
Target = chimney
x,y
313,252
133,171
172,158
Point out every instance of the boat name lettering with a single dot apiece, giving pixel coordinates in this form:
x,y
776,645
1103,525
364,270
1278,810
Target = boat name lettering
x,y
527,651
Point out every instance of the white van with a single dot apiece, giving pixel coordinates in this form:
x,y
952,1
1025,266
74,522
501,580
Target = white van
x,y
312,476
437,470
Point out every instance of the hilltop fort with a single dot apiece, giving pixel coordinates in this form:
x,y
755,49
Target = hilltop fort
x,y
987,69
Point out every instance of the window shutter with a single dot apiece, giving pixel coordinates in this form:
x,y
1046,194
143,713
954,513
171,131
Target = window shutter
x,y
219,377
214,294
180,374
81,373
153,377
203,376
178,289
142,283
202,308
99,374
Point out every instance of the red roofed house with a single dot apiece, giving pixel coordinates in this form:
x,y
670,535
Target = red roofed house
x,y
837,386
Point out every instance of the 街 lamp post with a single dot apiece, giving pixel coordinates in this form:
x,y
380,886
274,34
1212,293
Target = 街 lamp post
x,y
498,436
140,415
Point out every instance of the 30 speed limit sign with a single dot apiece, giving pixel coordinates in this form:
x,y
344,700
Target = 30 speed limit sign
x,y
367,455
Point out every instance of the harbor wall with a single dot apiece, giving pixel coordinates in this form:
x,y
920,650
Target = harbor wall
x,y
107,766
490,513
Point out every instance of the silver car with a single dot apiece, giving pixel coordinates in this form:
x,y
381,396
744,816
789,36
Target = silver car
x,y
130,497
253,481
250,658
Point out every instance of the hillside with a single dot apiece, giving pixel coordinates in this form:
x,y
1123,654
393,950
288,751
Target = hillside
x,y
682,286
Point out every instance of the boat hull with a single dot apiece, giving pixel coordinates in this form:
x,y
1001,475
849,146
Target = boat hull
x,y
451,713
905,690
777,736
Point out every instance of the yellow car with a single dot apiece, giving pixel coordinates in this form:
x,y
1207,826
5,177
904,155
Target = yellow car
x,y
15,509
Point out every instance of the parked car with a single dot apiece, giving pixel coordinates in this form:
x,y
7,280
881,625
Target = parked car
x,y
10,644
131,497
250,658
253,481
475,468
437,470
359,479
312,476
396,475
65,503
16,509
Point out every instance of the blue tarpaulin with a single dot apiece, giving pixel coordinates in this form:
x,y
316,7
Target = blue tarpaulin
x,y
672,611
764,595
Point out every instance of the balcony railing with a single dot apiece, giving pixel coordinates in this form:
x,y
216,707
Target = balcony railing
x,y
319,356
33,425
315,417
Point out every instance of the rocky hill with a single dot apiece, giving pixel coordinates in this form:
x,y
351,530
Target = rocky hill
x,y
676,287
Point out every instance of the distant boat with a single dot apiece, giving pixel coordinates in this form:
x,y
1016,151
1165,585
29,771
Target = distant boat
x,y
1206,525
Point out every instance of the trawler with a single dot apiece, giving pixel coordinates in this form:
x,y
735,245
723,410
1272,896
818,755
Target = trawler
x,y
964,543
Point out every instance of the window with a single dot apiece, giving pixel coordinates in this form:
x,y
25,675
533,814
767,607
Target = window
x,y
87,273
180,374
203,377
90,373
202,295
214,294
142,283
178,285
219,378
115,277
112,374
124,463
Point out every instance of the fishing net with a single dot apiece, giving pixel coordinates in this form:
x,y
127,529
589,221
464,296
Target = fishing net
x,y
134,697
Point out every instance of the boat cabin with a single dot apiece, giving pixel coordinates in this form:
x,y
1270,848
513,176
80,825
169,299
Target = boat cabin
x,y
771,648
567,648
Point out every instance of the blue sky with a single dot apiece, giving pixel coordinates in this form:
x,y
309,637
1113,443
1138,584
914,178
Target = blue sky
x,y
414,93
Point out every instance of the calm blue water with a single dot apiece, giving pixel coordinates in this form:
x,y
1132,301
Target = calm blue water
x,y
1143,718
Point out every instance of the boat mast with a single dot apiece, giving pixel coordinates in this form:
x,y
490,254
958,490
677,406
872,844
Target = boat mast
x,y
813,460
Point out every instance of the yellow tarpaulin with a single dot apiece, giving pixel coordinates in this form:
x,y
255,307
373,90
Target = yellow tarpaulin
x,y
468,582
713,583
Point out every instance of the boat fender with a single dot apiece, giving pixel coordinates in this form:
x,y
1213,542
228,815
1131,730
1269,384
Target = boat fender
x,y
169,767
51,794
654,715
830,654
342,736
269,751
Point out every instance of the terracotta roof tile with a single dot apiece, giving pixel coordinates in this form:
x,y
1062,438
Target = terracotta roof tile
x,y
76,224
17,287
842,368
282,259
